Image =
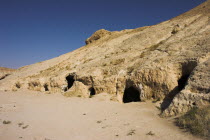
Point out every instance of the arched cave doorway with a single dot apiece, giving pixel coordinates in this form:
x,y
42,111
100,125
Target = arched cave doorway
x,y
70,80
131,94
92,91
182,82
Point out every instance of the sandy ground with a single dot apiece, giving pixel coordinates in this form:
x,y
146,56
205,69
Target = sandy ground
x,y
37,116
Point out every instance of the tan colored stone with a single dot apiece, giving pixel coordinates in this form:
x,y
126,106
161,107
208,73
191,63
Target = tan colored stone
x,y
156,61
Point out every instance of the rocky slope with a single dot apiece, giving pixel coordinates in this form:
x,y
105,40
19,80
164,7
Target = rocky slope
x,y
168,61
4,72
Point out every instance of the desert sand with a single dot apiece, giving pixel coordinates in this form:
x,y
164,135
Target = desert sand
x,y
37,116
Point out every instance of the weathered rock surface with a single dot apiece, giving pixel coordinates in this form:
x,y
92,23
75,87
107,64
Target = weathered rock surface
x,y
168,61
195,93
4,72
97,35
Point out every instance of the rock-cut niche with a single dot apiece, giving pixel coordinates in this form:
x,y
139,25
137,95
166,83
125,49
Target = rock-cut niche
x,y
70,81
131,94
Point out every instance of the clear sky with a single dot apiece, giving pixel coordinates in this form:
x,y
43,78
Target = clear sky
x,y
36,30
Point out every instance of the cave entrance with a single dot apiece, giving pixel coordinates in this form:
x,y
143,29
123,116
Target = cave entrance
x,y
70,80
182,82
92,91
46,87
131,94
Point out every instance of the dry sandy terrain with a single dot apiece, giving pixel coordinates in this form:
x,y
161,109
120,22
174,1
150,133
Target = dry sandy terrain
x,y
37,116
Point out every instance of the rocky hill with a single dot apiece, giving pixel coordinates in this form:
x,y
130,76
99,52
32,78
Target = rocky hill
x,y
169,61
4,72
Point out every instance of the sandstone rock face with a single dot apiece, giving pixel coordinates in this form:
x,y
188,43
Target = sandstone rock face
x,y
168,61
195,93
97,35
4,72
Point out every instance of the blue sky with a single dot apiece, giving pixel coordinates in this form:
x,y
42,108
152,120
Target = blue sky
x,y
36,30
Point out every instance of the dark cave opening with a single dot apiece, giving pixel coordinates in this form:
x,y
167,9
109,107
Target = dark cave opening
x,y
131,94
46,87
187,68
70,80
182,82
92,91
169,98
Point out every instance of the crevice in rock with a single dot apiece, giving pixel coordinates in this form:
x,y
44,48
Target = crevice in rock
x,y
3,77
70,81
186,70
182,82
131,94
188,67
18,85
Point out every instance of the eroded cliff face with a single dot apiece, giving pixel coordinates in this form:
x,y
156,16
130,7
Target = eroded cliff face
x,y
195,93
168,61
